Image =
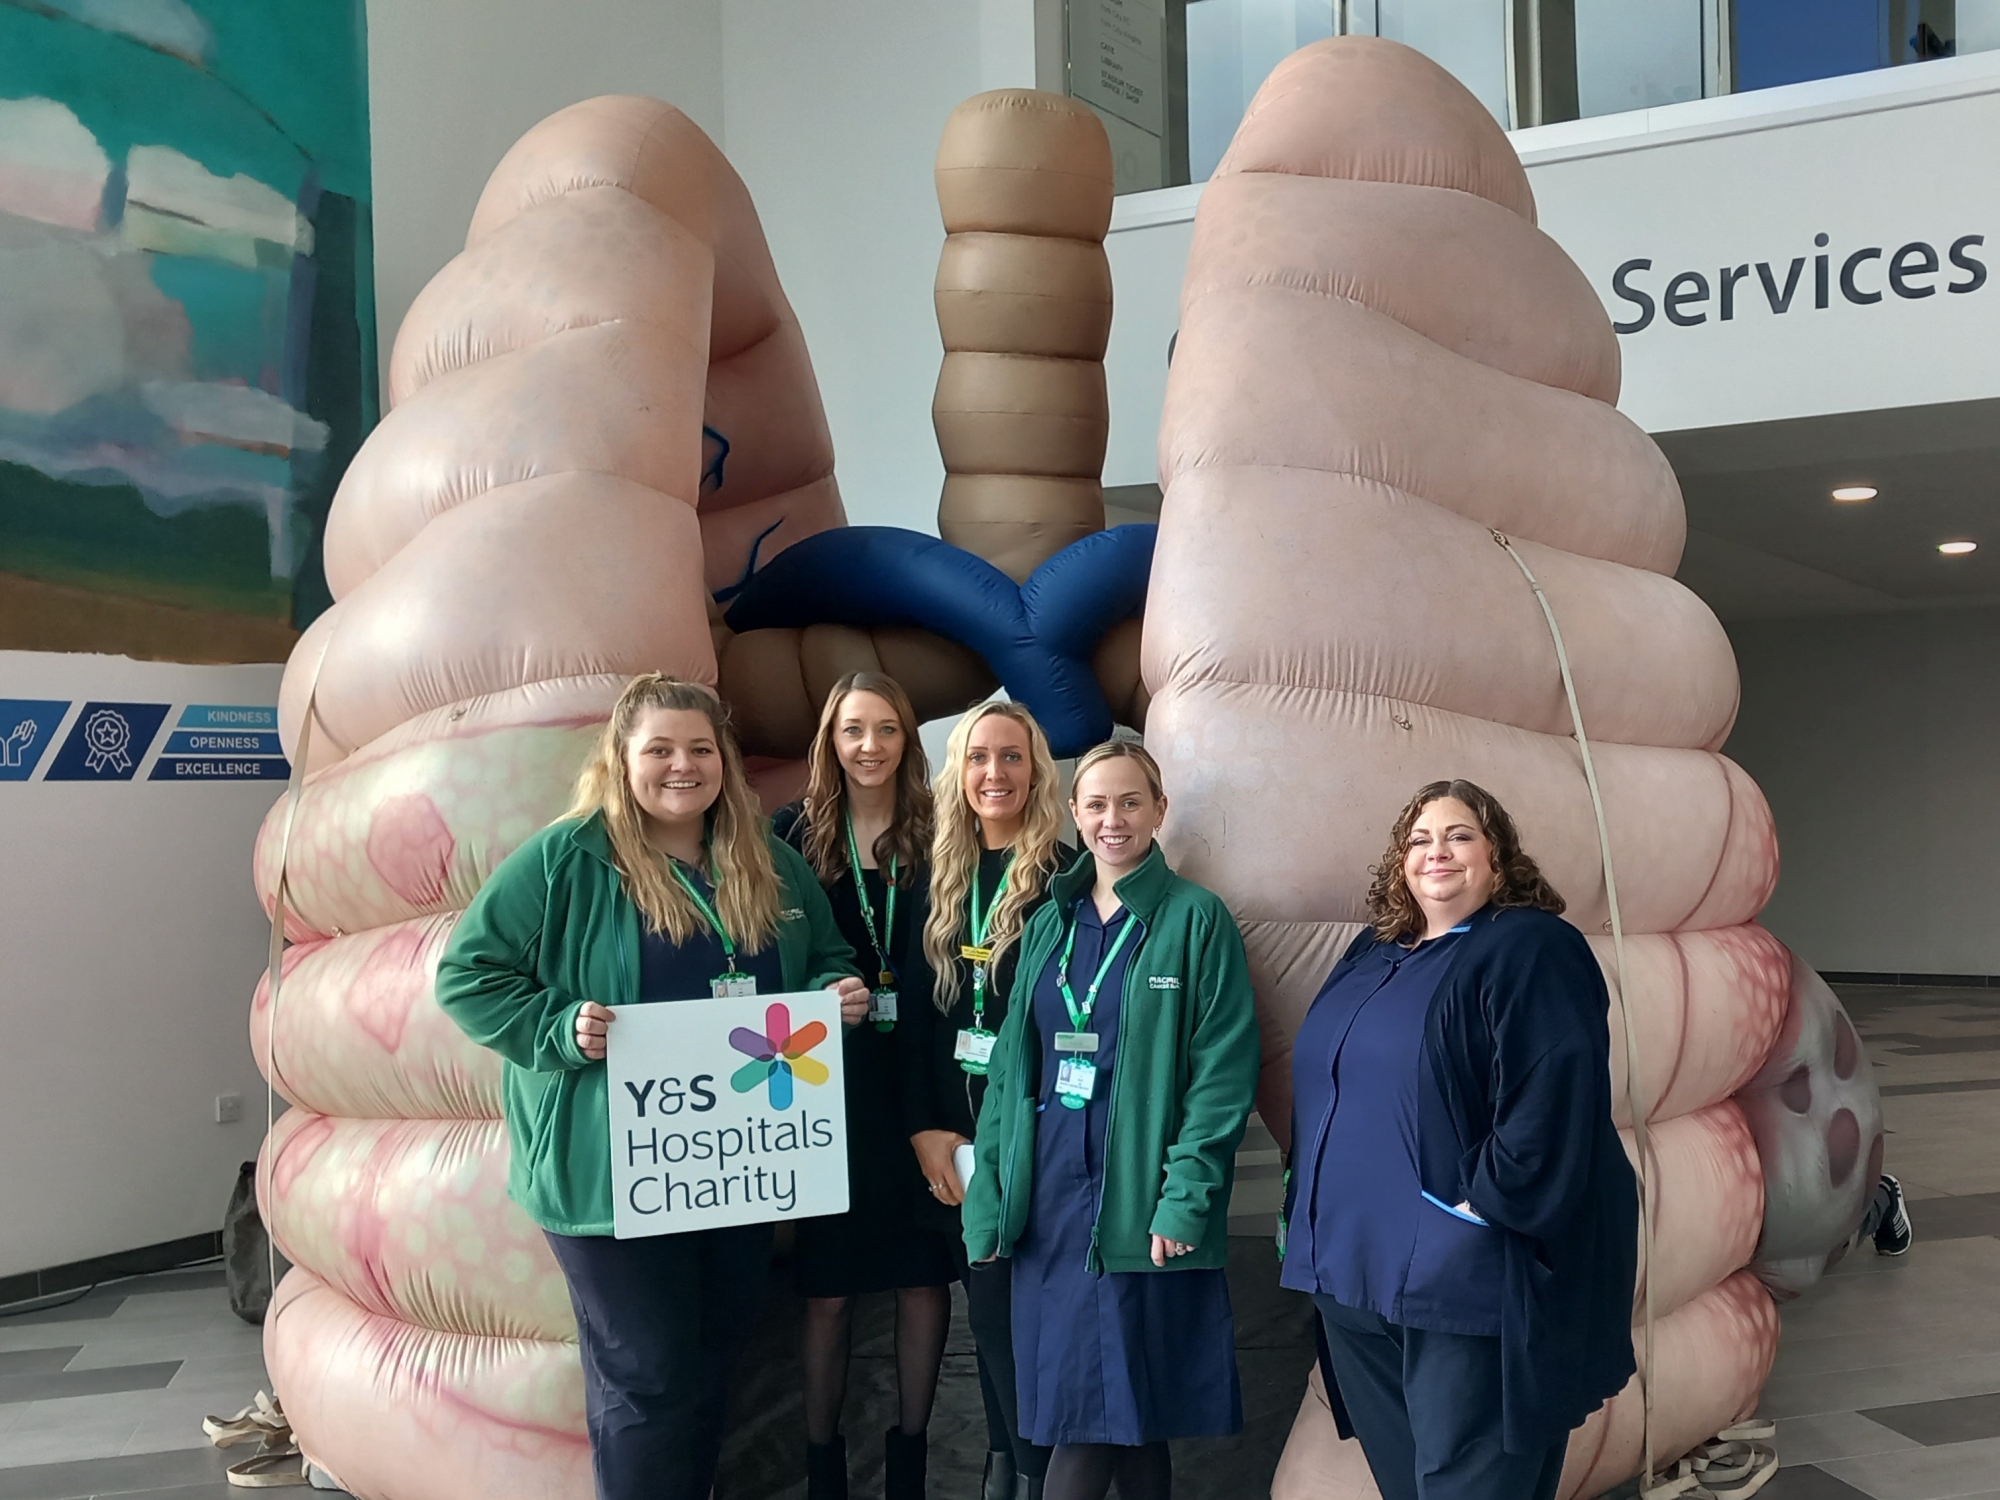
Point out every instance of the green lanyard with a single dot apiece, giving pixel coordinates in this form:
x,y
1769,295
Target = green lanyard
x,y
714,922
880,940
1079,1015
978,919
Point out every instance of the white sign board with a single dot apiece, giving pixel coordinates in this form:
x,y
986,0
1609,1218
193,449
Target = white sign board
x,y
726,1112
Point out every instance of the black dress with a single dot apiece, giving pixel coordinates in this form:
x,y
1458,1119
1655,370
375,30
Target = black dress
x,y
877,1245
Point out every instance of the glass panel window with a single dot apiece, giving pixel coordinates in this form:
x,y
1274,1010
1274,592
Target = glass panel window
x,y
1634,54
1232,45
1467,37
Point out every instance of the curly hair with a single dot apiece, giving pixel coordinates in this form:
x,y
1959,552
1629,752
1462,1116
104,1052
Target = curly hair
x,y
1517,879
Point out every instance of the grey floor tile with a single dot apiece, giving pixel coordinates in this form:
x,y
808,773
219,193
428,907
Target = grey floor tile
x,y
1840,1434
1944,1333
1888,1385
1805,1482
1954,1086
1954,1469
1960,1216
130,1475
38,1361
49,1387
1931,1423
83,1310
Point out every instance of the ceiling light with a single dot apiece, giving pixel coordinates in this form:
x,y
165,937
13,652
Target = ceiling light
x,y
1957,549
1855,492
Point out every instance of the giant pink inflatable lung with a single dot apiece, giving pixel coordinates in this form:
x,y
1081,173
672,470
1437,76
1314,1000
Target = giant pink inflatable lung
x,y
1382,363
598,407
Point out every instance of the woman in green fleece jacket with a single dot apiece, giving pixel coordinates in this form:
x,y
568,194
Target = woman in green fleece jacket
x,y
662,883
1105,1149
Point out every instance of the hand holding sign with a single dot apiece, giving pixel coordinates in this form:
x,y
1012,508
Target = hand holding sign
x,y
593,1027
853,995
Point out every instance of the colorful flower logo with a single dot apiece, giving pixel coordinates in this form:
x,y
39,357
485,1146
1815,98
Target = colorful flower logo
x,y
778,1055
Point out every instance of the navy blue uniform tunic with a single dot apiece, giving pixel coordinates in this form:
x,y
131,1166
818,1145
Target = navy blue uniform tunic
x,y
684,971
1362,1230
1106,1357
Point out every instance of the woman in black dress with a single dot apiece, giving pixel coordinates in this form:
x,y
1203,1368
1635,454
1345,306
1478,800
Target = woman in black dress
x,y
999,813
865,827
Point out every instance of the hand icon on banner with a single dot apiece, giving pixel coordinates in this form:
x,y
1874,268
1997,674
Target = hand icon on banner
x,y
15,747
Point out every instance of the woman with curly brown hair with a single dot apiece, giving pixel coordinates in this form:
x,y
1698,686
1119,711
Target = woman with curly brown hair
x,y
1460,1206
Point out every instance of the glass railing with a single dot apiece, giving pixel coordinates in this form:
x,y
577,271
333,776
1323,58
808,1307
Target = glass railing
x,y
1171,78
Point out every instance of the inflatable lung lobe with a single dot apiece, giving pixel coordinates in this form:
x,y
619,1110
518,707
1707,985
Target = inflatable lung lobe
x,y
1381,364
602,407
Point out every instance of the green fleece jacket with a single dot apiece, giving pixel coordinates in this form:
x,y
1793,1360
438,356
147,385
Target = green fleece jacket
x,y
1181,1088
550,929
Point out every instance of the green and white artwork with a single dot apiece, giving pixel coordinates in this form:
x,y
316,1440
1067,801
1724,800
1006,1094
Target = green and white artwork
x,y
187,348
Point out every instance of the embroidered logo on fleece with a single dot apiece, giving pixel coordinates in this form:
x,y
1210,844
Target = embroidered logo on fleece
x,y
1163,981
792,914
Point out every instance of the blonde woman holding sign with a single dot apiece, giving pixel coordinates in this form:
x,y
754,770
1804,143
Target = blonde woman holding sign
x,y
999,813
662,883
1118,1093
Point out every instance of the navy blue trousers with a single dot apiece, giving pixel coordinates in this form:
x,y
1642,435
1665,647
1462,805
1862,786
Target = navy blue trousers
x,y
1426,1408
661,1323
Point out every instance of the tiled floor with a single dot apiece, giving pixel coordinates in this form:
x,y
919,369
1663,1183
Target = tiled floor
x,y
1887,1383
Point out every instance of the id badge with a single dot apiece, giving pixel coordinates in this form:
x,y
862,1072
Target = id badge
x,y
1076,1041
882,1008
1076,1081
975,955
975,1049
732,986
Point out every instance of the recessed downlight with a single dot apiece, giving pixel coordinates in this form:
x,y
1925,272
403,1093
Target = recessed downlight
x,y
1855,492
1957,549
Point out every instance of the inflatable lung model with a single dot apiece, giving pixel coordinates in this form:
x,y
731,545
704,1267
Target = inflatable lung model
x,y
1381,364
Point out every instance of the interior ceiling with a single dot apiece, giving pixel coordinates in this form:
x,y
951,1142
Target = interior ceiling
x,y
1766,540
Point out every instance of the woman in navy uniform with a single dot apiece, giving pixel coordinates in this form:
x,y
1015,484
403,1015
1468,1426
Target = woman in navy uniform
x,y
1461,1208
865,828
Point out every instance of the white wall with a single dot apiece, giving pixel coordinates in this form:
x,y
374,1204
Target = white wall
x,y
1874,738
832,111
132,942
453,83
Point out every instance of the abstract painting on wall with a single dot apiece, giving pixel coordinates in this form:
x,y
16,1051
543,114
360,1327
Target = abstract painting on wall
x,y
187,322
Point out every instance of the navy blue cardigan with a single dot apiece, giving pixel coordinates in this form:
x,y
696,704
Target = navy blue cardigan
x,y
1514,1117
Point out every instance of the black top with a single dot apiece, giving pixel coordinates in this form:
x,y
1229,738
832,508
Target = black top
x,y
937,1093
1514,1118
683,971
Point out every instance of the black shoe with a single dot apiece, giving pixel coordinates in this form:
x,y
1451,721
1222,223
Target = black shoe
x,y
1027,1489
999,1483
907,1456
1892,1235
826,1470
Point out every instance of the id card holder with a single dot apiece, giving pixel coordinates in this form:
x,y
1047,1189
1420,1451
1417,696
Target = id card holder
x,y
882,1008
975,955
1076,1081
732,986
974,1049
1076,1041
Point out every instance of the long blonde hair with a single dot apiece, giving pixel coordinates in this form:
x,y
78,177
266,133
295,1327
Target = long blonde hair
x,y
746,881
907,839
955,849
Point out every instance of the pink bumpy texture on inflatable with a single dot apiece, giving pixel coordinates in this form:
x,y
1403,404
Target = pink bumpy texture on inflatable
x,y
539,517
1381,362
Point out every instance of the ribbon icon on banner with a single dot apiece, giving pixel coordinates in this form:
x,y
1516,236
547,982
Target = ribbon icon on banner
x,y
109,738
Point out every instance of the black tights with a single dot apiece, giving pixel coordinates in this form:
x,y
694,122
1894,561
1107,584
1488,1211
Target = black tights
x,y
1085,1471
923,1318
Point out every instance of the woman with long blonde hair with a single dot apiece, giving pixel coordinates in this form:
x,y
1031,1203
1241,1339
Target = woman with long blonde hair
x,y
865,827
998,804
661,883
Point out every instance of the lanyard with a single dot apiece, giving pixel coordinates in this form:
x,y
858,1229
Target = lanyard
x,y
1079,1015
881,940
714,922
978,919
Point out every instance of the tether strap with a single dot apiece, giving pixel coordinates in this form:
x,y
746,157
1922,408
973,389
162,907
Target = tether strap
x,y
1633,1093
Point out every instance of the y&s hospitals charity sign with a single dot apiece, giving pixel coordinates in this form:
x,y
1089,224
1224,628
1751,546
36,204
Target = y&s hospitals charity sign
x,y
726,1112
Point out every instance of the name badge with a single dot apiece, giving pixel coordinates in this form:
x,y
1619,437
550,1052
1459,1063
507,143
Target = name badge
x,y
732,986
975,955
974,1049
1076,1041
882,1008
1076,1081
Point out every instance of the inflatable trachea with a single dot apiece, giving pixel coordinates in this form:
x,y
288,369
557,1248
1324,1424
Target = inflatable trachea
x,y
1381,363
1024,306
